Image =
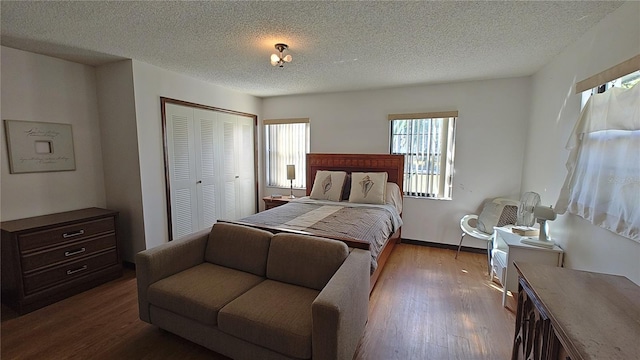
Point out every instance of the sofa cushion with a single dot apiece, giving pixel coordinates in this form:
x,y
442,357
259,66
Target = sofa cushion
x,y
201,291
238,247
274,315
303,260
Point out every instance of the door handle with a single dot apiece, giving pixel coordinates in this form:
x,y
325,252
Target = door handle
x,y
199,182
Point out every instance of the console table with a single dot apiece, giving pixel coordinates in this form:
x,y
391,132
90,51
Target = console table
x,y
50,257
575,315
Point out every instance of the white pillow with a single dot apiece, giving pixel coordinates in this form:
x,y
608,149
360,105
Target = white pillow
x,y
328,185
368,188
394,196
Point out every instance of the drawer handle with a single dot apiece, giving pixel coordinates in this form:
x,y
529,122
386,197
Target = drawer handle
x,y
72,234
71,253
70,272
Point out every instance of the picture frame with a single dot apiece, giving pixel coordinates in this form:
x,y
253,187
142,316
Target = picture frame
x,y
39,146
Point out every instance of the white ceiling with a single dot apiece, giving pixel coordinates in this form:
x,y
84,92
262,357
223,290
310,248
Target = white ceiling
x,y
336,46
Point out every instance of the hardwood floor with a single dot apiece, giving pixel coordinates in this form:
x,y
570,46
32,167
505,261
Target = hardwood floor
x,y
426,305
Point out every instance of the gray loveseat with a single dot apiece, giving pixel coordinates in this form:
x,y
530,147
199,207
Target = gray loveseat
x,y
248,294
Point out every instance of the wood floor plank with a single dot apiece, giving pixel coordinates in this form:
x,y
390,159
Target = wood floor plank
x,y
426,305
431,306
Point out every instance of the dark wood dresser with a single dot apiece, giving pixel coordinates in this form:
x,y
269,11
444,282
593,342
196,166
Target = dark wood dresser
x,y
574,315
51,257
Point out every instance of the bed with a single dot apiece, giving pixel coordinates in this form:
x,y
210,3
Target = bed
x,y
375,227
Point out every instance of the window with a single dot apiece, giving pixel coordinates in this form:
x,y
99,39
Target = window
x,y
427,142
287,143
602,183
625,82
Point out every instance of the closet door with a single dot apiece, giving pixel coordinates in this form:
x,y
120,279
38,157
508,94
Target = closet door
x,y
208,152
210,167
239,166
246,184
229,172
182,170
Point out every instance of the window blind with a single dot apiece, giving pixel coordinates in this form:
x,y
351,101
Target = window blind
x,y
426,140
287,143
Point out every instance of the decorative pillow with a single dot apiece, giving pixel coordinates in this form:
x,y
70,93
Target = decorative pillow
x,y
394,196
328,185
368,188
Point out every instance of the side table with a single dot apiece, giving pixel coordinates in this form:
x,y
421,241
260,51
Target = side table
x,y
271,202
507,248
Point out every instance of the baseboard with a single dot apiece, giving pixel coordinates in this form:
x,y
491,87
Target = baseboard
x,y
443,246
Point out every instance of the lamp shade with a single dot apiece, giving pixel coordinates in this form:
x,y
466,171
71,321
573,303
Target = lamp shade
x,y
291,172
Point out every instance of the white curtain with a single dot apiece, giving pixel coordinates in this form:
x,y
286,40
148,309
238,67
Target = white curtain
x,y
603,179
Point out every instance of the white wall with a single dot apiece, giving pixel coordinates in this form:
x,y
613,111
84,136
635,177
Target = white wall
x,y
555,109
119,135
42,88
490,138
150,83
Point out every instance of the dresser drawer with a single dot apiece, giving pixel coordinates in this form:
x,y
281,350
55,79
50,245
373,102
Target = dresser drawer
x,y
55,236
68,271
70,252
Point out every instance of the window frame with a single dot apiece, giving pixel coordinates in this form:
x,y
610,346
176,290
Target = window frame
x,y
446,151
300,159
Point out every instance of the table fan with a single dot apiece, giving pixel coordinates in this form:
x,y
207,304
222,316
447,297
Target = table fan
x,y
528,202
528,212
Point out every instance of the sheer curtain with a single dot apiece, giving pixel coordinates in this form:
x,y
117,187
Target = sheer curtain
x,y
603,169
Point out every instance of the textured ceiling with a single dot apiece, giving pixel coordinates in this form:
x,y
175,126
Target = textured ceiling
x,y
336,46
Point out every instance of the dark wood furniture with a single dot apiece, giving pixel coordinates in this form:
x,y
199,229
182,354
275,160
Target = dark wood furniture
x,y
48,258
393,165
572,315
271,202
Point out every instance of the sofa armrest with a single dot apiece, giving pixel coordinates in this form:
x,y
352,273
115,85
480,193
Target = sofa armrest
x,y
165,260
340,311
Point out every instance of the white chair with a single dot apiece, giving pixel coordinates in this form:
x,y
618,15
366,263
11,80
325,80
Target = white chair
x,y
497,212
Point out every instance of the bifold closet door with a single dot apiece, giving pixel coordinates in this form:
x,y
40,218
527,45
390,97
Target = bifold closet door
x,y
208,156
181,156
239,168
211,167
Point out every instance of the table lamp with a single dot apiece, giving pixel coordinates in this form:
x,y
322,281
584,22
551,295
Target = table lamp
x,y
291,175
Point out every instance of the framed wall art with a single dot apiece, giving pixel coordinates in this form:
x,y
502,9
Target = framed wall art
x,y
39,146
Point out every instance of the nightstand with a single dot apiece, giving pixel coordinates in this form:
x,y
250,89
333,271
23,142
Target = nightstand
x,y
271,202
507,248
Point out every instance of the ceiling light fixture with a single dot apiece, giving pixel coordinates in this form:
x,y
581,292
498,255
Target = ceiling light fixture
x,y
277,59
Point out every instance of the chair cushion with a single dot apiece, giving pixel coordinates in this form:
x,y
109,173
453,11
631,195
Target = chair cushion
x,y
238,247
303,260
201,291
274,315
